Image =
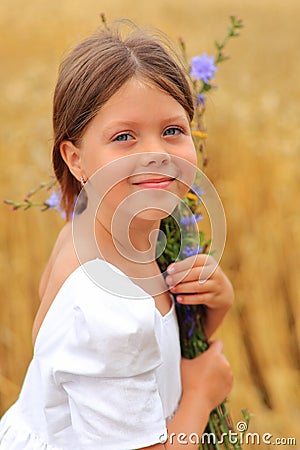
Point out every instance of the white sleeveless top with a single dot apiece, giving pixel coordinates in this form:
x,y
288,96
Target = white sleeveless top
x,y
105,373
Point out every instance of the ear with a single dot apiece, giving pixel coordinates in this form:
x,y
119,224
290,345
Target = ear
x,y
71,155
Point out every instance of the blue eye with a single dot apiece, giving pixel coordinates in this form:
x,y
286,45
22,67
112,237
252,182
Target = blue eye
x,y
173,131
123,137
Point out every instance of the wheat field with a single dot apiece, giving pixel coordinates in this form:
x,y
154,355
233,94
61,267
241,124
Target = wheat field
x,y
254,162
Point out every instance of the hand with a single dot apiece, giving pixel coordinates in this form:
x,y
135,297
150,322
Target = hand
x,y
200,280
208,378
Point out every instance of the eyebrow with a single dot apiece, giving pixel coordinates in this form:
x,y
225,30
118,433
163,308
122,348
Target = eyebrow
x,y
176,118
120,124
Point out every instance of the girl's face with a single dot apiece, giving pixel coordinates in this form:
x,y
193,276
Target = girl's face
x,y
138,152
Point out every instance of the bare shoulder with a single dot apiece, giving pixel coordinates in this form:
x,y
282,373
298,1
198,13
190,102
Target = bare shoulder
x,y
62,255
62,262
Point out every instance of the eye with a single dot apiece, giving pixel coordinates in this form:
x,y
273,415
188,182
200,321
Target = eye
x,y
123,137
173,131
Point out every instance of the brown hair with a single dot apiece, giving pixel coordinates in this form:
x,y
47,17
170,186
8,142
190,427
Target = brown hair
x,y
92,73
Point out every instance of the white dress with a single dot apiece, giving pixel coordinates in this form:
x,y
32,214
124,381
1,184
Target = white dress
x,y
105,373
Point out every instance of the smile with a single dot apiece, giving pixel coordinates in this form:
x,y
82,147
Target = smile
x,y
155,183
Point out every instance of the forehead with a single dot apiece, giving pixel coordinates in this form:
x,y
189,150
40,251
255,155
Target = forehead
x,y
138,92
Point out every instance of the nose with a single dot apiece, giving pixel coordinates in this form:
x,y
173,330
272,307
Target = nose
x,y
155,159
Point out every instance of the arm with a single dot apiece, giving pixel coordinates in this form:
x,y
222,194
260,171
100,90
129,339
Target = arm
x,y
64,235
206,380
199,280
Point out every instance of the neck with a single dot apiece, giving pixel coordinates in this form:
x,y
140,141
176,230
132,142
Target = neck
x,y
135,242
133,239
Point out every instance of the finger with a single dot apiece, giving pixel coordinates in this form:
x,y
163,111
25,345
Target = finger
x,y
191,261
199,273
195,299
193,287
207,271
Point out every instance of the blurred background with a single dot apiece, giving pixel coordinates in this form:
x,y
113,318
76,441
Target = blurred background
x,y
254,162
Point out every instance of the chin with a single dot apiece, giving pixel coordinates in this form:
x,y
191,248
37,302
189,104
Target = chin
x,y
152,214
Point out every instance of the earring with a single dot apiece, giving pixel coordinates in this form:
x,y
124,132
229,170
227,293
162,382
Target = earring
x,y
82,181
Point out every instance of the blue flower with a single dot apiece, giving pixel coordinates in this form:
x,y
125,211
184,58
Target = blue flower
x,y
53,202
203,67
189,321
191,329
190,219
198,190
192,250
200,100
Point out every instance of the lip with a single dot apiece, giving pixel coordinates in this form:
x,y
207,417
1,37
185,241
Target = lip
x,y
155,183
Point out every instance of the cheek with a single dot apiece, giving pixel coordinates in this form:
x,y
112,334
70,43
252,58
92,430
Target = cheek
x,y
183,189
187,164
109,178
191,154
117,194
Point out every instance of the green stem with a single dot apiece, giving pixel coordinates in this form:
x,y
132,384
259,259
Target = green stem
x,y
236,24
45,185
26,205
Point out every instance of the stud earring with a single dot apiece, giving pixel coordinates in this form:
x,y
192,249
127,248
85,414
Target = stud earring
x,y
82,181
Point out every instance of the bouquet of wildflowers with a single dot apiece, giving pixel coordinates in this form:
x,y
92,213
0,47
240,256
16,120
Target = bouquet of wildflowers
x,y
180,240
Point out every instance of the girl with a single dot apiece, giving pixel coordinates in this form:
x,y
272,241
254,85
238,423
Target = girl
x,y
106,371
